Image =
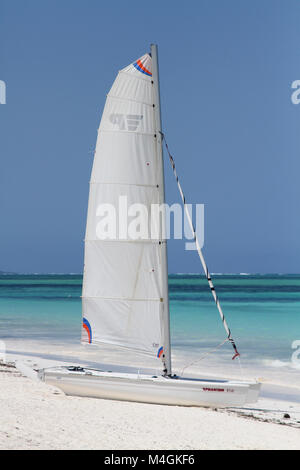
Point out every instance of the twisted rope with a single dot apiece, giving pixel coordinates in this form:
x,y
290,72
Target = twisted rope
x,y
205,268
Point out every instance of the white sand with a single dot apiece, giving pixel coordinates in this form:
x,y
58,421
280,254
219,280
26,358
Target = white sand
x,y
36,416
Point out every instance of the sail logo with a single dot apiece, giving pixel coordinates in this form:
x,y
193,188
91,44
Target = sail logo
x,y
2,92
87,331
126,122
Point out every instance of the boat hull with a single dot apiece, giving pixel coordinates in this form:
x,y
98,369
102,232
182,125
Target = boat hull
x,y
151,389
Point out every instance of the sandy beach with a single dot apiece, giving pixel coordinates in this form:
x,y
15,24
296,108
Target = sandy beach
x,y
37,416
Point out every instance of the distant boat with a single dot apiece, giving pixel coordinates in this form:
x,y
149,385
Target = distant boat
x,y
125,297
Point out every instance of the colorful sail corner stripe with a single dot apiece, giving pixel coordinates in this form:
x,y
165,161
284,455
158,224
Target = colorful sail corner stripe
x,y
138,65
160,352
87,327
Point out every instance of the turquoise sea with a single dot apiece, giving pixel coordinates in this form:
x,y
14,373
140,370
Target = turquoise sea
x,y
263,312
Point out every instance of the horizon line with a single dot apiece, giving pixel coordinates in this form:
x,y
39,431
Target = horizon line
x,y
45,273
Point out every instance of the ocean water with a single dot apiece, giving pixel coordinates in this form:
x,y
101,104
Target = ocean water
x,y
41,314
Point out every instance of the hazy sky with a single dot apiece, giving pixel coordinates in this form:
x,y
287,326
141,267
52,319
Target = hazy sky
x,y
226,72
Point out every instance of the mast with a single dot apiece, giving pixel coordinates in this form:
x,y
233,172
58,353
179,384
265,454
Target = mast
x,y
159,149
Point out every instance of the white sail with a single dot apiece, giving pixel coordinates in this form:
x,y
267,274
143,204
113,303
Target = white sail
x,y
125,292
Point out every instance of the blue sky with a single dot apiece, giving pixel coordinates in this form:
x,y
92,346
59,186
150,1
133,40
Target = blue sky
x,y
226,72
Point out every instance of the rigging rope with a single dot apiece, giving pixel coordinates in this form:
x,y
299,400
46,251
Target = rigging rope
x,y
205,268
204,355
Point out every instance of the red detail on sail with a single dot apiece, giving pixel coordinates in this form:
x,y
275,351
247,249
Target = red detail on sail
x,y
143,68
88,331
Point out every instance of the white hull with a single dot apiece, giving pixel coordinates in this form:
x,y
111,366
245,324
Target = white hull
x,y
151,389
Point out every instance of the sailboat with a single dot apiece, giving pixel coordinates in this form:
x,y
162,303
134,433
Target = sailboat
x,y
125,299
